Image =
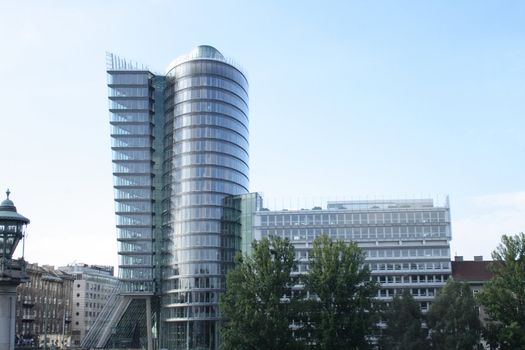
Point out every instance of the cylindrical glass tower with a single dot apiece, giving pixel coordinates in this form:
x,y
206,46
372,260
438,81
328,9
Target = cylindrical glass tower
x,y
205,162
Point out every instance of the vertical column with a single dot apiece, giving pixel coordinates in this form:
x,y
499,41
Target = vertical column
x,y
7,316
148,323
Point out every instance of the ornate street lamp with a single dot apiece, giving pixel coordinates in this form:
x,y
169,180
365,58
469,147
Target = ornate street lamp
x,y
12,272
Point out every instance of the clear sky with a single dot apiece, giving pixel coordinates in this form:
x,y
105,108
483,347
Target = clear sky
x,y
348,100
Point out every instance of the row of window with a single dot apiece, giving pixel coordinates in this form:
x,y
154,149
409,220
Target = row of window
x,y
129,142
132,193
131,129
202,185
197,226
312,218
427,265
208,119
361,233
225,160
190,297
204,240
192,311
129,104
132,167
193,282
207,67
121,91
133,206
141,246
193,268
192,107
206,94
407,252
128,78
210,172
391,253
206,81
54,326
124,154
210,132
128,116
134,219
210,145
193,199
136,260
136,273
416,292
137,287
132,180
134,232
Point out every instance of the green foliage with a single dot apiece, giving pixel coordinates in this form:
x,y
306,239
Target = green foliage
x,y
404,319
453,318
503,297
341,314
256,317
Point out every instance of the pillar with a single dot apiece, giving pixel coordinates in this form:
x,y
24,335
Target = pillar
x,y
7,316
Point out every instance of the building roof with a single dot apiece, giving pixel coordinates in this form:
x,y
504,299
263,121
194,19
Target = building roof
x,y
49,272
471,271
8,211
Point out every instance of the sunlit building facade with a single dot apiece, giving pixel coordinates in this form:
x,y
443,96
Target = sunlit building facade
x,y
180,149
406,242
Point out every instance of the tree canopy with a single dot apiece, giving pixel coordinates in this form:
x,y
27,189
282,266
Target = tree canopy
x,y
340,308
453,318
403,324
503,297
256,314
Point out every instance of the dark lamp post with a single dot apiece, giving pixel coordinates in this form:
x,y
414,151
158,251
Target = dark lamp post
x,y
12,272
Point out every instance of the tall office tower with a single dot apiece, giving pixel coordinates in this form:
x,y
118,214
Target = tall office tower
x,y
205,161
180,149
406,242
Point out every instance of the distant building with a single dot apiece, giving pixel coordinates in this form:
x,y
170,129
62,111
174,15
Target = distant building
x,y
406,242
475,273
43,310
92,287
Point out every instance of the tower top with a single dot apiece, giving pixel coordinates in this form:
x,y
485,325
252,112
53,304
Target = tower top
x,y
8,210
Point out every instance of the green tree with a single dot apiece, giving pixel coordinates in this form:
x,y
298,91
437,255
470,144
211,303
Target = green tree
x,y
503,297
404,319
341,313
256,314
453,318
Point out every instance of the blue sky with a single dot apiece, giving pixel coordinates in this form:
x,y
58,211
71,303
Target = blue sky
x,y
349,99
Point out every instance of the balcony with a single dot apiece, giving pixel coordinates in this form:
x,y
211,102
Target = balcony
x,y
28,318
28,303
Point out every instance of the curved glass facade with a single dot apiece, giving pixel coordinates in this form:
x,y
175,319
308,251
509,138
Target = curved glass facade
x,y
205,161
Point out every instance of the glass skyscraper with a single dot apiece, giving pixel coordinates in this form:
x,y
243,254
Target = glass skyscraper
x,y
180,151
